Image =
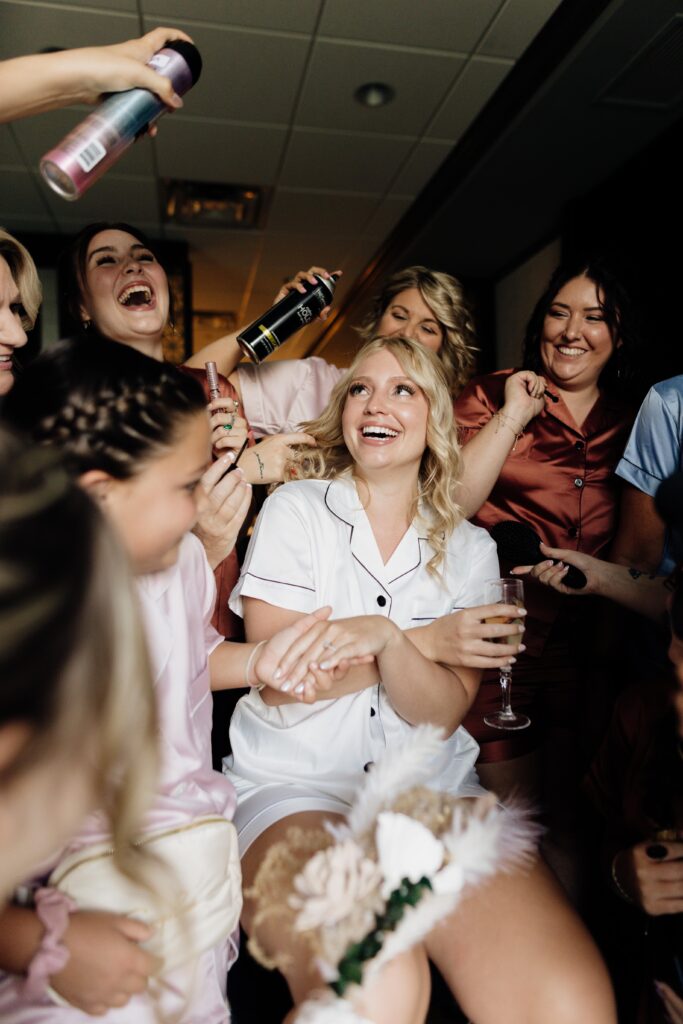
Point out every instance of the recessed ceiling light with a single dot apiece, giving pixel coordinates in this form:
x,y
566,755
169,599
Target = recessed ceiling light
x,y
374,94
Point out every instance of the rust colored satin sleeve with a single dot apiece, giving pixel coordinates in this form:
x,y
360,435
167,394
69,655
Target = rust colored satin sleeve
x,y
559,479
227,573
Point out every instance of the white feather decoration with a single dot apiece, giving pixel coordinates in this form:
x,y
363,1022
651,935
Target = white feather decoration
x,y
405,849
411,764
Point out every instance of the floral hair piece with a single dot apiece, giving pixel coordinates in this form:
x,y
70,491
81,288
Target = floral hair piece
x,y
361,893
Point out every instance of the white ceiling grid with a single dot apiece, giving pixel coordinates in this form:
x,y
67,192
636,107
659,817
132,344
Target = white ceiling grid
x,y
275,107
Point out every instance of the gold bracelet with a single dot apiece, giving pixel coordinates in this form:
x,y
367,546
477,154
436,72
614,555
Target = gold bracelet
x,y
250,662
519,433
617,884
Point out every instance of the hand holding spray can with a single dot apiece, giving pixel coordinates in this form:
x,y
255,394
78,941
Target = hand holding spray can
x,y
98,141
286,317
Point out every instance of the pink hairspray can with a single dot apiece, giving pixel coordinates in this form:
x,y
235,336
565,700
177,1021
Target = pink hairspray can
x,y
98,141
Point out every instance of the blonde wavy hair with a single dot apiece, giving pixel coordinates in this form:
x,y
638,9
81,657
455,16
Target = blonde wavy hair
x,y
25,276
435,502
445,296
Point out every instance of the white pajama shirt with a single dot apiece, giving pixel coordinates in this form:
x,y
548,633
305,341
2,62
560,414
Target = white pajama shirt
x,y
312,546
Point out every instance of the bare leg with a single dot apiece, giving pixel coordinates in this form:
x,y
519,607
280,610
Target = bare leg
x,y
514,950
398,995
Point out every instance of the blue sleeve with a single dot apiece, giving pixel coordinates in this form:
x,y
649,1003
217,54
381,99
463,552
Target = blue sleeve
x,y
653,451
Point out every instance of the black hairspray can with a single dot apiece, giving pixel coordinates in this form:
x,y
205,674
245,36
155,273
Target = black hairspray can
x,y
286,317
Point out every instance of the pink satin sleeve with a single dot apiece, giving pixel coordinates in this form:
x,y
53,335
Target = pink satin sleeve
x,y
280,395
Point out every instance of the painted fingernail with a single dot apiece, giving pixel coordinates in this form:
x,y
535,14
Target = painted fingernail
x,y
277,673
325,666
286,686
659,990
521,611
512,661
522,647
300,688
230,457
656,851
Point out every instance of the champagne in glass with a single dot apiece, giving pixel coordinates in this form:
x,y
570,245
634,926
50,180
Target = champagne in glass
x,y
508,590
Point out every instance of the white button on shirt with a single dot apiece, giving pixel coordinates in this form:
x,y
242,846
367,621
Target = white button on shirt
x,y
313,545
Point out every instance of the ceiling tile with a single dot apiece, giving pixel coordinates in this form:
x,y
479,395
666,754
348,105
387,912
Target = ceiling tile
x,y
472,91
111,6
132,200
204,151
423,162
37,135
284,255
387,217
269,14
357,163
515,27
20,197
336,70
9,152
436,24
247,76
30,28
333,212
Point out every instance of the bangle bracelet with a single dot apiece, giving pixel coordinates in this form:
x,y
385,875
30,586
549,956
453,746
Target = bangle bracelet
x,y
518,432
52,908
617,884
250,663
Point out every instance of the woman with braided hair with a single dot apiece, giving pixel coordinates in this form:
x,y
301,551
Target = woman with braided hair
x,y
135,435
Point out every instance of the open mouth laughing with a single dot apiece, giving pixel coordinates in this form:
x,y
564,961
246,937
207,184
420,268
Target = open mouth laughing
x,y
137,295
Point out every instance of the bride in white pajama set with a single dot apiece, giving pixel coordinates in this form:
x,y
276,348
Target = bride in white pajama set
x,y
375,531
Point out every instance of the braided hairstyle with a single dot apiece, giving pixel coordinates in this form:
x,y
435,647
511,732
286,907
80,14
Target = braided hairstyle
x,y
103,404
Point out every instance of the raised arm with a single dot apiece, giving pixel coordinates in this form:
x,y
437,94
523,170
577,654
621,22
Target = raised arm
x,y
493,433
226,352
45,81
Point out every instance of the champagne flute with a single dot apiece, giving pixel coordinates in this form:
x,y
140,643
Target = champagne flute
x,y
508,590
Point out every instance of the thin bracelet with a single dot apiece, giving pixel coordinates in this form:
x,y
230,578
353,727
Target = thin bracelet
x,y
617,884
250,663
519,434
261,466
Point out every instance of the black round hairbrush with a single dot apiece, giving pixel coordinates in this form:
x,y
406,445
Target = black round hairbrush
x,y
519,544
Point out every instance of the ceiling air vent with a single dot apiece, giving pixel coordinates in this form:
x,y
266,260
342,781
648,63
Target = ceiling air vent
x,y
653,79
208,204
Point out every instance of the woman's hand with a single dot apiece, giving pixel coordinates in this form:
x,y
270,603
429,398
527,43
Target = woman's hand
x,y
524,397
652,875
553,570
228,500
325,652
124,66
228,430
265,462
106,965
282,648
464,639
296,285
